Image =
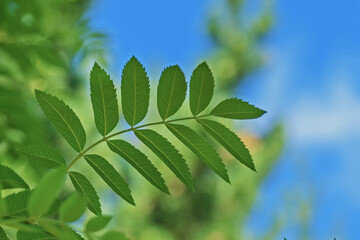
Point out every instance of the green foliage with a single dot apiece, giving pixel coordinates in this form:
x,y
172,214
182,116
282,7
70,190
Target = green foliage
x,y
63,118
229,140
87,191
171,91
135,91
114,235
16,203
234,108
43,155
97,223
201,88
167,153
72,208
3,234
104,101
140,162
45,193
10,179
200,146
108,173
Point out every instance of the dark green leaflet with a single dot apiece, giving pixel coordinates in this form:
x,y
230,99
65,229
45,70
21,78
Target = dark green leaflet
x,y
135,92
201,88
139,161
228,140
167,153
200,146
108,173
236,109
171,91
10,179
104,100
87,191
63,118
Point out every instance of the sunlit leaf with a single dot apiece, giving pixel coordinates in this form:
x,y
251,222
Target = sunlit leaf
x,y
229,140
135,92
200,146
139,161
104,101
43,155
72,208
201,88
63,118
37,234
97,223
86,190
60,230
108,173
171,91
10,179
45,193
236,109
167,153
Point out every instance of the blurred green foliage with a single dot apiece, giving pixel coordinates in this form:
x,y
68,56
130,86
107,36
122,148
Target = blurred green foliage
x,y
42,44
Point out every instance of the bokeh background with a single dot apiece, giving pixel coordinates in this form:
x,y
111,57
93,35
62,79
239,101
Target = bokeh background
x,y
299,60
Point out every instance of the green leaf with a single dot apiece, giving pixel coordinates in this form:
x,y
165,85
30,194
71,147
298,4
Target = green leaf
x,y
3,235
72,208
108,173
135,92
139,161
167,153
37,234
104,101
10,179
87,191
42,198
114,235
200,146
201,88
236,109
229,140
43,155
16,203
3,207
63,118
97,223
171,91
58,229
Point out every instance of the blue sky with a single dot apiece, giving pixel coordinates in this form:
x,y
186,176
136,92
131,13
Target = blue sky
x,y
311,82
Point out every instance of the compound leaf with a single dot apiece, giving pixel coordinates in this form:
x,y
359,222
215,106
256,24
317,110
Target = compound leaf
x,y
43,155
42,198
139,161
10,179
200,146
229,140
87,191
201,88
113,178
72,208
171,91
236,109
63,118
167,153
97,223
103,99
135,92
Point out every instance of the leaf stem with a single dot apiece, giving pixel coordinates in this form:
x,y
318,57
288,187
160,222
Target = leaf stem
x,y
104,139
